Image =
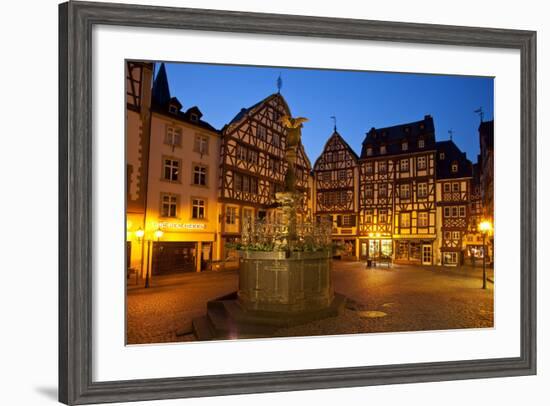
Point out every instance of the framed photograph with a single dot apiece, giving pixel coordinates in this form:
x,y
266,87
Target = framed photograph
x,y
260,202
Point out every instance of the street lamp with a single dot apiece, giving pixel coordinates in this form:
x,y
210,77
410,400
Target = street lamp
x,y
158,234
485,227
140,233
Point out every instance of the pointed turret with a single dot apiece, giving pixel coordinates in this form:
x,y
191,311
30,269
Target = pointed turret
x,y
161,90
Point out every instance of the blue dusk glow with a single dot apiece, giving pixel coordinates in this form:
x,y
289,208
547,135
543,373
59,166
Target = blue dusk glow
x,y
359,100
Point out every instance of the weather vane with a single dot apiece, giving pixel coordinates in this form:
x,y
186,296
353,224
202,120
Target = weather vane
x,y
279,83
451,134
480,112
334,120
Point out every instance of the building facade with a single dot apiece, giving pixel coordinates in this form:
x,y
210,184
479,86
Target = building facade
x,y
139,77
453,191
486,162
191,187
397,208
336,179
179,229
252,168
474,240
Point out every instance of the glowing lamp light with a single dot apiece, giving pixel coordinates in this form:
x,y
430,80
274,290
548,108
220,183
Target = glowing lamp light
x,y
485,226
140,233
158,234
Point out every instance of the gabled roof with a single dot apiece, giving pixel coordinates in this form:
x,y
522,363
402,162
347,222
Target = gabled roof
x,y
250,110
392,137
452,154
336,135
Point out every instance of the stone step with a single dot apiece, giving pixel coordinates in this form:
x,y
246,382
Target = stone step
x,y
203,329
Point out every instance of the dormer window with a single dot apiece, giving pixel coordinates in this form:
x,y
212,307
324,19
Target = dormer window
x,y
369,151
173,109
441,156
194,117
421,126
407,129
420,143
404,146
382,149
454,167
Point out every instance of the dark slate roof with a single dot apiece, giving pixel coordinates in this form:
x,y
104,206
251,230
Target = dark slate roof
x,y
392,137
244,112
452,155
161,90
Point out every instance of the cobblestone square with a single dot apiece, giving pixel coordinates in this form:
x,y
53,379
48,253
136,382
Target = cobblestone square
x,y
395,299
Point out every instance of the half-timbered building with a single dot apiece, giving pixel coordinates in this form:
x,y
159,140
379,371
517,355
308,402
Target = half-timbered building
x,y
138,102
486,147
454,180
335,193
474,239
397,209
253,168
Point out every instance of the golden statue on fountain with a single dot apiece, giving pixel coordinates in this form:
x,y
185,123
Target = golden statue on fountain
x,y
293,140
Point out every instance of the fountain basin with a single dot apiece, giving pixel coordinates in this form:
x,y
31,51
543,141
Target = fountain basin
x,y
276,283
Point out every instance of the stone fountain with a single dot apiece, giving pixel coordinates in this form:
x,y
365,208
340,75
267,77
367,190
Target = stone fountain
x,y
284,271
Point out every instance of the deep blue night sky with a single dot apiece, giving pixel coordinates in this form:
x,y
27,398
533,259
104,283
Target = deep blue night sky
x,y
359,100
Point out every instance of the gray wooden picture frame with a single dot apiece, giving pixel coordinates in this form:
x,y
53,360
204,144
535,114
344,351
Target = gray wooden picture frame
x,y
76,20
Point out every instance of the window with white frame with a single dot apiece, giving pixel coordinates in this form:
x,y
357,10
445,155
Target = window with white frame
x,y
421,162
456,187
422,190
446,187
420,143
368,190
423,219
348,220
276,139
450,258
382,217
383,190
454,168
252,156
446,212
382,167
405,191
456,235
383,149
454,211
342,174
241,153
462,211
198,208
168,205
173,136
368,167
262,132
171,169
404,146
326,176
404,165
441,156
368,216
405,220
230,215
201,144
369,151
199,175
